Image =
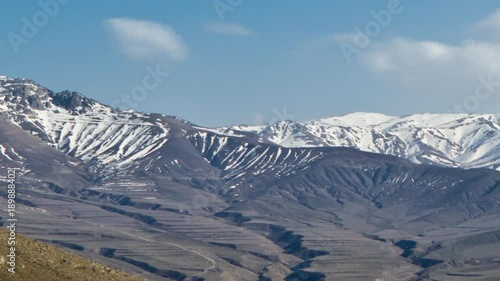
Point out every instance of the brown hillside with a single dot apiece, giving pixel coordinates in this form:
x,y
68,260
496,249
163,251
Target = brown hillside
x,y
37,261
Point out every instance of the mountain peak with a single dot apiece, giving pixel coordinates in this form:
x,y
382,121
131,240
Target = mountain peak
x,y
20,94
72,101
360,119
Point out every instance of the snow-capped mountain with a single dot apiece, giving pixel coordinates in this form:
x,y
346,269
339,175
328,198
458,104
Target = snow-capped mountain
x,y
89,130
111,140
79,126
455,140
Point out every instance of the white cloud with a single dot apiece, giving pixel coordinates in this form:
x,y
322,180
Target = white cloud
x,y
400,53
430,69
145,40
227,28
431,58
426,67
344,37
490,22
414,75
487,29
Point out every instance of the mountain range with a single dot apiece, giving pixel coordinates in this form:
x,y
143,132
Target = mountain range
x,y
363,196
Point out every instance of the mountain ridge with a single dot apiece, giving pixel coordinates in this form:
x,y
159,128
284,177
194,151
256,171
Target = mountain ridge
x,y
451,140
455,140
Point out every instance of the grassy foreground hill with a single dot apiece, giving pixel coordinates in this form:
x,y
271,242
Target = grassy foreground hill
x,y
37,261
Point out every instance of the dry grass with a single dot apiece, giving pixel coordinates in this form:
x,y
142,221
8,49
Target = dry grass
x,y
37,261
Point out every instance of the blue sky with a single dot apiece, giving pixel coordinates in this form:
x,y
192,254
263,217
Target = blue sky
x,y
256,61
